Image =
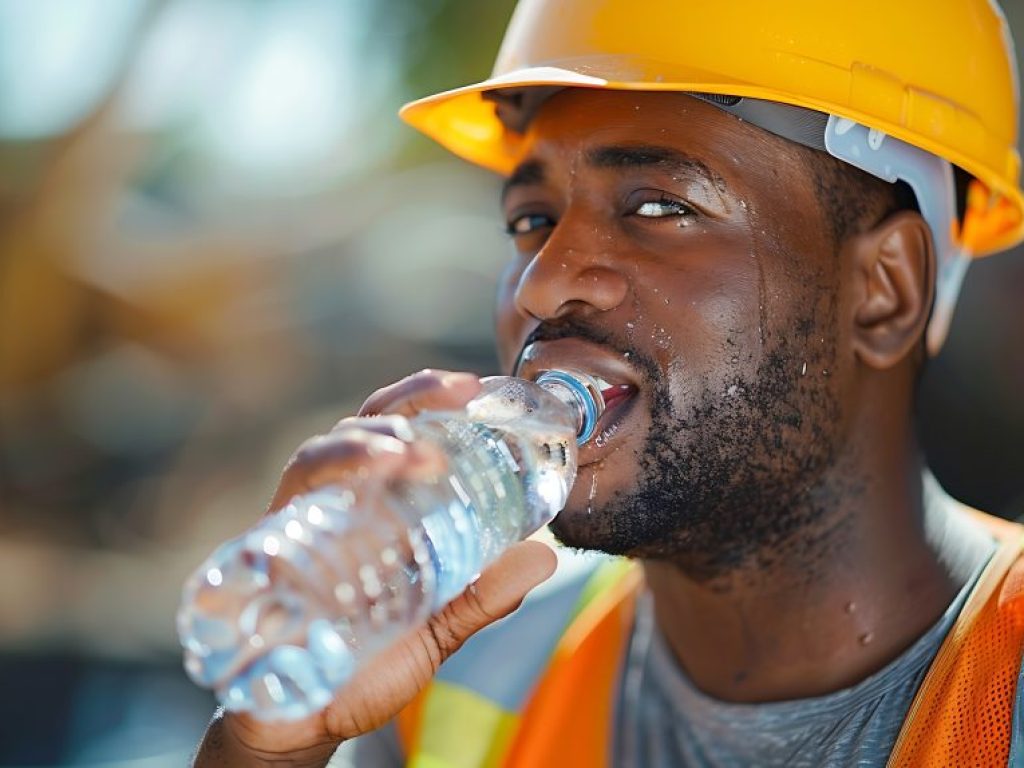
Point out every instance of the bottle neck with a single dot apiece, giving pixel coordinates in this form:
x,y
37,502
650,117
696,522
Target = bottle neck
x,y
581,393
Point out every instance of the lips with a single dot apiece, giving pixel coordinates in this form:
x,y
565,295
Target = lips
x,y
615,393
618,384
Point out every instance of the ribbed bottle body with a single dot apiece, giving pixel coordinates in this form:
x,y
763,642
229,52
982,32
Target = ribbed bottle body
x,y
278,619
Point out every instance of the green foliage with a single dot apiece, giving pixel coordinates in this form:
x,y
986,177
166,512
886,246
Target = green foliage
x,y
442,44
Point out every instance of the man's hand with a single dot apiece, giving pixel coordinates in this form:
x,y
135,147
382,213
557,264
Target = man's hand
x,y
371,450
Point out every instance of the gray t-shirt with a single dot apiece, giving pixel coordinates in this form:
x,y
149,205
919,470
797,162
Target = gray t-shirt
x,y
663,720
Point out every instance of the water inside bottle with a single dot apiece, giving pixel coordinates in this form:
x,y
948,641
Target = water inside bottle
x,y
508,480
279,618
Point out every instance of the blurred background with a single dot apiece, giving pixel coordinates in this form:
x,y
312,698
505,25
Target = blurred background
x,y
216,238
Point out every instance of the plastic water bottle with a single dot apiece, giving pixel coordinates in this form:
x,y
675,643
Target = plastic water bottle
x,y
279,618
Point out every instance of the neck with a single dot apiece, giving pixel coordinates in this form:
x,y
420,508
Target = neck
x,y
829,607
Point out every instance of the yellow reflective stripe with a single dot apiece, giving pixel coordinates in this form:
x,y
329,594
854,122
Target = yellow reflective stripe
x,y
461,729
601,581
453,726
426,761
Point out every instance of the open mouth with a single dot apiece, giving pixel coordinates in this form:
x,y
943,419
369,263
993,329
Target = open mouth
x,y
616,392
616,380
617,401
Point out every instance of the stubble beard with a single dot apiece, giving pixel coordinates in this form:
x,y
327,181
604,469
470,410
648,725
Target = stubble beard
x,y
733,478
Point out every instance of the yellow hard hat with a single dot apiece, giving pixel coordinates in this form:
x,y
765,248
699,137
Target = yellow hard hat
x,y
939,76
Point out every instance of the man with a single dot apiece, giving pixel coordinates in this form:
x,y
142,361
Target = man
x,y
688,223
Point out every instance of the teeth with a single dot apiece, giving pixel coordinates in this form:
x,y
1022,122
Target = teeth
x,y
606,434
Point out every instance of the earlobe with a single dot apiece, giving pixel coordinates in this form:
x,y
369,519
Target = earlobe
x,y
894,270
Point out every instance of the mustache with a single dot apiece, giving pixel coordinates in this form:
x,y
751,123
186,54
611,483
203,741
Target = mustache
x,y
571,328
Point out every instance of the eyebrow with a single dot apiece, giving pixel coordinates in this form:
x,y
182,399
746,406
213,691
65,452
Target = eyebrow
x,y
626,156
665,158
529,173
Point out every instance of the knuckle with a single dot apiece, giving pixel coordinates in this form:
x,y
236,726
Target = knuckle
x,y
431,651
475,605
347,444
397,426
347,421
457,621
444,637
307,453
426,379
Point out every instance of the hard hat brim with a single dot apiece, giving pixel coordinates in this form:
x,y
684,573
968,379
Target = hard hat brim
x,y
466,124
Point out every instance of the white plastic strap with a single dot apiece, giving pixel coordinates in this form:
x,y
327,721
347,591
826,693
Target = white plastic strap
x,y
931,179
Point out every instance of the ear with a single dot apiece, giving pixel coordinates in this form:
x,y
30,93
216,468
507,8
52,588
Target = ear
x,y
894,274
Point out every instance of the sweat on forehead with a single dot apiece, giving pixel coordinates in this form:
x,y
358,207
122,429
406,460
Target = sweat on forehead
x,y
619,131
700,134
848,199
624,155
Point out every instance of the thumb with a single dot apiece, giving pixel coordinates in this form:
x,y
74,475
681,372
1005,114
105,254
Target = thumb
x,y
499,591
394,677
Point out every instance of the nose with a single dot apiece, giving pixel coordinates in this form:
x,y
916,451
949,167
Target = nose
x,y
576,270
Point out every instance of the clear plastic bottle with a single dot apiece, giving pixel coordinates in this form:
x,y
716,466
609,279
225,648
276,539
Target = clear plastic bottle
x,y
278,619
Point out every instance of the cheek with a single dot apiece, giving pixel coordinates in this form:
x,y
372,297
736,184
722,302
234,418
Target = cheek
x,y
698,322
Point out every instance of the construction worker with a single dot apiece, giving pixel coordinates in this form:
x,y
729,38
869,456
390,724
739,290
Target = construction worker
x,y
752,219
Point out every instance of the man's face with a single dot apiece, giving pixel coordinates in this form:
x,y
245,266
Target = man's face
x,y
663,244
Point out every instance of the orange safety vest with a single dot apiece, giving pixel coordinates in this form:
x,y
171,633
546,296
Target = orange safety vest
x,y
964,714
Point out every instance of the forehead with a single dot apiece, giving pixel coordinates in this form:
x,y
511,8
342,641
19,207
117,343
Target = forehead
x,y
571,127
605,143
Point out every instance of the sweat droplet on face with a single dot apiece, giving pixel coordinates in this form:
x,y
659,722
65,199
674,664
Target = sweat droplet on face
x,y
593,492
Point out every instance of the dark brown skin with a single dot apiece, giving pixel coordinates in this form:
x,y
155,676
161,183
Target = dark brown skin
x,y
766,472
754,275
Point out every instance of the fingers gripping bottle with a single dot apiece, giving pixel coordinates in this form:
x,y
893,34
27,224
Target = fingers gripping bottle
x,y
279,618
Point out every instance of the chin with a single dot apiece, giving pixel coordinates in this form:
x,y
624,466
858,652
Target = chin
x,y
586,528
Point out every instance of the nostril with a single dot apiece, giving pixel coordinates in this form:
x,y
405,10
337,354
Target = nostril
x,y
573,307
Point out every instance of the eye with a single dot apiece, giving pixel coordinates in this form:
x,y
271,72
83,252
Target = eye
x,y
527,223
664,206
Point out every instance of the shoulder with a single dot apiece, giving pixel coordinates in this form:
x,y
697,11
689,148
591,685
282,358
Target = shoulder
x,y
972,693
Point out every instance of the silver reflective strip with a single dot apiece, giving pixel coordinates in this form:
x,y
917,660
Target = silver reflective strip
x,y
931,179
504,661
